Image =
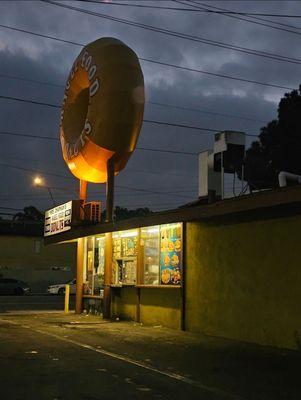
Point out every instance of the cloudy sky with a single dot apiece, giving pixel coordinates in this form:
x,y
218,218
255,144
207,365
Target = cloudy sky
x,y
35,68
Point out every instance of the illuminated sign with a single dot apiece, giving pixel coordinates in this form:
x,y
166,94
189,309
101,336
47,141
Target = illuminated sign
x,y
58,219
102,109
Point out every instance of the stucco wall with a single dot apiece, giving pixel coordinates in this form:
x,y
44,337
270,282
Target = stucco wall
x,y
124,303
27,258
161,307
157,306
243,280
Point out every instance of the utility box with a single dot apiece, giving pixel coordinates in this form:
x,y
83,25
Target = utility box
x,y
229,151
92,211
209,180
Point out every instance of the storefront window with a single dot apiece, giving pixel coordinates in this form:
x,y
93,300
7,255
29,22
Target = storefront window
x,y
99,264
151,258
89,265
95,265
171,245
160,251
124,268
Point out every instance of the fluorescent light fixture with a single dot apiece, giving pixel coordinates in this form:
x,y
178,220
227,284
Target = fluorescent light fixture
x,y
152,229
128,234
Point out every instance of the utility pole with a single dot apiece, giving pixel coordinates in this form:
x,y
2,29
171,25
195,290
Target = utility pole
x,y
80,254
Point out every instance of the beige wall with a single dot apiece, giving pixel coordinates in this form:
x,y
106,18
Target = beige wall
x,y
244,280
161,307
157,306
27,258
124,303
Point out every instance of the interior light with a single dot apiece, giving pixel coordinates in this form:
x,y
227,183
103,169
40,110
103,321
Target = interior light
x,y
128,234
151,230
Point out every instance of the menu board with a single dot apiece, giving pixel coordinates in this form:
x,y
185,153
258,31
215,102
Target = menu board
x,y
171,254
129,246
117,248
124,268
58,219
125,247
129,271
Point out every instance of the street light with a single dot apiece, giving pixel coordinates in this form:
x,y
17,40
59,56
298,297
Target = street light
x,y
40,182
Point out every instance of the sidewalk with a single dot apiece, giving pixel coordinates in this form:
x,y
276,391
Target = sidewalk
x,y
226,368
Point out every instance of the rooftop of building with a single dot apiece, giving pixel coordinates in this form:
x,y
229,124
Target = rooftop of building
x,y
261,205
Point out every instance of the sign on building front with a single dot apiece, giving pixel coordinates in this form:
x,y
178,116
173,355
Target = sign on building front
x,y
58,219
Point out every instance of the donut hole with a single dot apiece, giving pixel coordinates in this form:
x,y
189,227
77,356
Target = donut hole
x,y
75,116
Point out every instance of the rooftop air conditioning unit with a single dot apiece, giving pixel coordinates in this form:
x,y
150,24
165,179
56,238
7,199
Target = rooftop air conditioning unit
x,y
209,180
229,151
226,157
92,211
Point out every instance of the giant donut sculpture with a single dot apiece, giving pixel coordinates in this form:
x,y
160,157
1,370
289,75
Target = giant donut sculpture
x,y
102,109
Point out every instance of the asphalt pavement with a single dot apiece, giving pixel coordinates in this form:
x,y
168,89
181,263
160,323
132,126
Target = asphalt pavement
x,y
52,356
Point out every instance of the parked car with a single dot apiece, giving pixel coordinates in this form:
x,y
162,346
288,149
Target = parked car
x,y
13,286
60,287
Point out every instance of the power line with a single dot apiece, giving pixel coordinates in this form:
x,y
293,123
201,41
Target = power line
x,y
137,5
5,213
189,127
29,101
19,78
204,111
161,62
253,20
170,204
168,32
10,157
160,173
216,75
41,35
206,130
35,171
148,102
167,151
151,191
67,177
57,140
7,133
149,27
11,208
246,13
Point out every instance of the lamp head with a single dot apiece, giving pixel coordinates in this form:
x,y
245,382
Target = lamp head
x,y
38,181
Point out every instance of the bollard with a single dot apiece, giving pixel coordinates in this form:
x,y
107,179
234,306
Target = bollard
x,y
67,297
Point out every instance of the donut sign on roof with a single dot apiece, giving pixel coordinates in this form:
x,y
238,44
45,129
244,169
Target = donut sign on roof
x,y
102,109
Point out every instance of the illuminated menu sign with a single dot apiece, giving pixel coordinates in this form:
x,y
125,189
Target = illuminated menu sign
x,y
58,219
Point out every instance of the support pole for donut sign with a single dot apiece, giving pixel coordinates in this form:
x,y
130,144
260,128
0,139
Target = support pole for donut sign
x,y
101,118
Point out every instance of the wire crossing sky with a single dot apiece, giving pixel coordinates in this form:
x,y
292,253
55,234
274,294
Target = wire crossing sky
x,y
208,66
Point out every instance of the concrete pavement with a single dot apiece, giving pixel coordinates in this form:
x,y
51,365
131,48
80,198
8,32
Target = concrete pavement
x,y
84,357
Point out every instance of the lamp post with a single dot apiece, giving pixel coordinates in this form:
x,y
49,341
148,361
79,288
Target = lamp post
x,y
39,181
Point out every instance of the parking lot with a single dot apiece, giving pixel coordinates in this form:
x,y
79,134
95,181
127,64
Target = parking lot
x,y
81,357
37,302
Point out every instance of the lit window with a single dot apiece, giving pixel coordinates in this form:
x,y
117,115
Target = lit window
x,y
171,245
151,257
95,265
124,268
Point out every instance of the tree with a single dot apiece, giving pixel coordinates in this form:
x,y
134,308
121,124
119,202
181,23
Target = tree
x,y
279,145
29,213
124,213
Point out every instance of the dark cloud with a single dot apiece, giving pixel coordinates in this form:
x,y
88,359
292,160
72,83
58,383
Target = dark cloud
x,y
50,61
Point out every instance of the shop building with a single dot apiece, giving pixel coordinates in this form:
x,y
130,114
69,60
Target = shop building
x,y
24,256
229,269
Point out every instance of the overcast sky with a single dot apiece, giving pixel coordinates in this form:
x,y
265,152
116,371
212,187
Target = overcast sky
x,y
245,106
